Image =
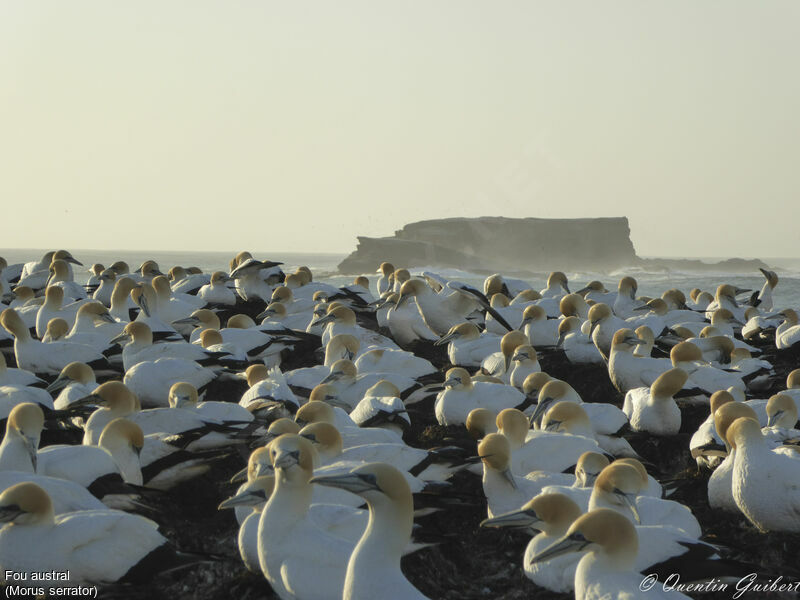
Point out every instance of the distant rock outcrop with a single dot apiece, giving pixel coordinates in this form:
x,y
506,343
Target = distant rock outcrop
x,y
500,244
490,244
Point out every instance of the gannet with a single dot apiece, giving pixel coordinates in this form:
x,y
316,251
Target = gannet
x,y
268,391
183,395
461,395
173,306
499,364
151,380
53,307
788,333
187,280
467,346
606,419
609,569
757,325
254,279
720,484
557,285
18,450
144,296
765,295
524,362
139,347
318,411
548,516
688,357
381,360
619,487
571,418
382,407
627,371
540,330
49,359
122,305
573,305
340,319
653,409
75,382
94,326
384,281
57,329
93,546
726,298
504,490
216,292
351,386
541,450
16,376
625,301
603,327
442,311
765,483
405,321
276,317
60,275
67,496
597,292
374,568
578,346
286,535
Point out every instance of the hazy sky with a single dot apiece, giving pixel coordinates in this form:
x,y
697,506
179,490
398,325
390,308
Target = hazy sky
x,y
295,126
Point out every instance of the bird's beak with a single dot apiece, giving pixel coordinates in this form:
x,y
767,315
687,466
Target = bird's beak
x,y
58,384
351,482
287,459
565,545
520,519
444,339
774,418
248,498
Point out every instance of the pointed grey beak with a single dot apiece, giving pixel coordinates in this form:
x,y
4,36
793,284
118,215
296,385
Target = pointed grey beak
x,y
9,513
122,337
58,384
451,383
629,501
356,483
187,321
249,498
31,445
522,519
445,339
240,476
323,320
287,459
773,419
593,327
335,376
583,290
541,408
563,546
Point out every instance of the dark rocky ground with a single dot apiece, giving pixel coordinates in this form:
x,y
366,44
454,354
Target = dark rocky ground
x,y
468,562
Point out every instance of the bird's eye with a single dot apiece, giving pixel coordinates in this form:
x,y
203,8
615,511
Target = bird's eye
x,y
578,537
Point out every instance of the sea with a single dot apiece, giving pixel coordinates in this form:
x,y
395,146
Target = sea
x,y
324,267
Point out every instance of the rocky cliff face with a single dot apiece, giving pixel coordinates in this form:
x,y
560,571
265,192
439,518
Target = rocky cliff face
x,y
491,244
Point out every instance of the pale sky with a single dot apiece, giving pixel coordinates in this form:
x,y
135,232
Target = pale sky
x,y
296,126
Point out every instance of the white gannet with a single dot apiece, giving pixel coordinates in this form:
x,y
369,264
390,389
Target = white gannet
x,y
61,276
626,301
608,570
541,450
720,484
462,395
316,410
276,318
619,487
52,307
145,297
382,407
384,360
606,419
504,490
139,347
351,386
498,364
373,570
597,292
50,358
75,382
187,280
765,483
571,418
123,307
467,346
340,319
653,409
94,326
540,330
18,450
57,329
524,362
573,305
788,333
548,516
216,292
286,536
67,496
268,392
106,282
404,320
707,378
765,295
152,380
627,371
384,281
16,376
653,318
557,285
726,298
93,546
604,324
173,306
578,346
